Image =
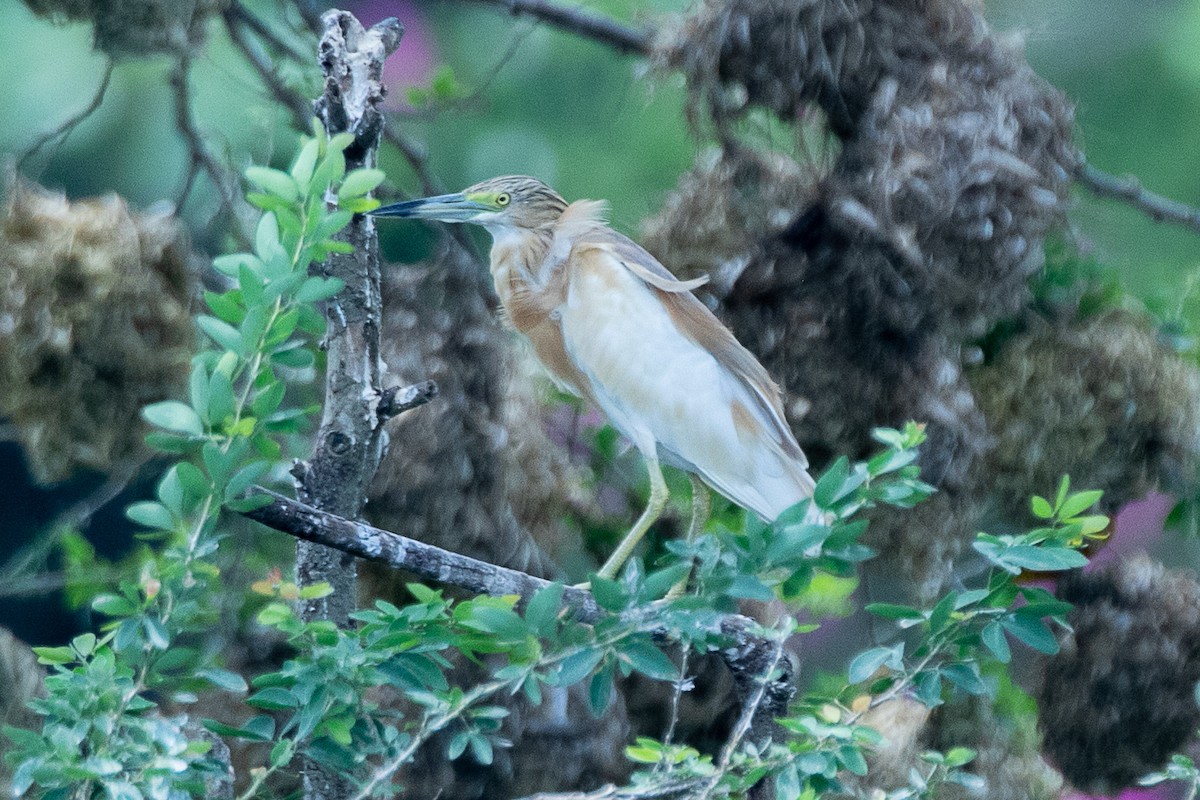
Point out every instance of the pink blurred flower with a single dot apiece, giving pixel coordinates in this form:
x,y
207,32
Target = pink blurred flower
x,y
413,63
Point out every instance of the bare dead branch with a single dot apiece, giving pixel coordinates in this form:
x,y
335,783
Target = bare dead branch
x,y
1128,189
64,130
424,560
399,399
622,38
348,445
761,674
655,791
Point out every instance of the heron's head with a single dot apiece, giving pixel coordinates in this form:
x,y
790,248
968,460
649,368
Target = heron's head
x,y
514,201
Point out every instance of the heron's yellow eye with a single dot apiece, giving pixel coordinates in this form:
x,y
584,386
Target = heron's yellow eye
x,y
502,199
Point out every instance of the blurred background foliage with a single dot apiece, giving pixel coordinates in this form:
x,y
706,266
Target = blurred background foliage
x,y
486,93
500,94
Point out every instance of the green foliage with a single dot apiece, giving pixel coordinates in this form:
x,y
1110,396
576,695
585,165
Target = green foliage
x,y
103,733
362,701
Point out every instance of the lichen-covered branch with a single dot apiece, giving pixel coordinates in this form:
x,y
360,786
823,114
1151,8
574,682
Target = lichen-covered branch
x,y
749,656
348,445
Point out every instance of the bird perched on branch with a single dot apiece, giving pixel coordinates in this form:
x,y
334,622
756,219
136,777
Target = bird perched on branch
x,y
613,326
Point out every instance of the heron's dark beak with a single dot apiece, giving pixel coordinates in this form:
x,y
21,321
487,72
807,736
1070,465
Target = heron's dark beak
x,y
444,208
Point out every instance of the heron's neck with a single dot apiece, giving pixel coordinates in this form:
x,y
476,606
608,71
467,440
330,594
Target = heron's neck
x,y
520,252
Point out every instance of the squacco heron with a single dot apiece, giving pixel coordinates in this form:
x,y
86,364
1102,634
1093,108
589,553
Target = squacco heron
x,y
613,326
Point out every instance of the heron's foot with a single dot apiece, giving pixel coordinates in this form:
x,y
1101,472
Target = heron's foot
x,y
701,509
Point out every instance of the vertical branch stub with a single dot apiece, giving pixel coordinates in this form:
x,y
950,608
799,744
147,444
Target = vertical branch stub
x,y
348,445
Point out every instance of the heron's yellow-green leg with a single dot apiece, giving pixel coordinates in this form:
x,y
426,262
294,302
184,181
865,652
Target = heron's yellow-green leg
x,y
701,508
654,509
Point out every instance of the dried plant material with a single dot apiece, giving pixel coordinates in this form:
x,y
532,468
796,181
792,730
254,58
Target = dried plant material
x,y
1101,400
1006,745
1119,699
136,27
721,212
94,322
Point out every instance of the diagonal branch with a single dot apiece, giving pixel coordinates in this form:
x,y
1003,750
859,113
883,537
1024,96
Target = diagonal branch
x,y
623,38
64,130
1128,189
750,656
200,158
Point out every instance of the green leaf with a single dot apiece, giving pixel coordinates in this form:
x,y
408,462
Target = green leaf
x,y
223,679
458,745
306,161
578,666
1064,486
275,698
175,416
965,676
610,595
829,487
232,264
170,491
1045,558
260,728
1032,631
993,638
658,583
1078,503
892,611
1091,525
221,332
277,183
315,289
245,477
1041,507
359,182
267,401
541,613
359,205
298,357
54,655
268,246
481,749
600,691
221,402
503,622
959,757
151,514
649,660
868,662
315,591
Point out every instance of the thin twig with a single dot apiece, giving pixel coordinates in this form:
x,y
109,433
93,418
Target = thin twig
x,y
76,516
621,37
746,721
64,130
198,153
240,14
417,159
399,399
1128,189
297,105
676,695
